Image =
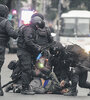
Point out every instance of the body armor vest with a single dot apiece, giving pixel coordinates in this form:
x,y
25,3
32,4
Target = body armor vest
x,y
42,36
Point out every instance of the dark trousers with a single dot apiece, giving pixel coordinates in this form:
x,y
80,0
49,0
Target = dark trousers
x,y
26,64
80,77
2,54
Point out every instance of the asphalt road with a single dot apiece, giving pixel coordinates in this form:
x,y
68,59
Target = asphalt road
x,y
82,93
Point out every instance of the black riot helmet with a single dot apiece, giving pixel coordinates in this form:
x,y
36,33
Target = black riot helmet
x,y
56,49
4,11
38,14
38,20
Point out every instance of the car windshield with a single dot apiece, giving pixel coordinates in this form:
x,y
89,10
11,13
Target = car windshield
x,y
75,27
83,27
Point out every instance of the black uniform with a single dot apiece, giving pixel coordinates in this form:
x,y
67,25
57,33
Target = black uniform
x,y
6,31
56,60
31,39
80,64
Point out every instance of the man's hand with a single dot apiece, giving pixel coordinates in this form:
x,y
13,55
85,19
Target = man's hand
x,y
37,72
62,83
65,90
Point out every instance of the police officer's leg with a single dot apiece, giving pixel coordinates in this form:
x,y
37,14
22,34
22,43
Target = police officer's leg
x,y
2,53
83,83
74,80
83,80
25,60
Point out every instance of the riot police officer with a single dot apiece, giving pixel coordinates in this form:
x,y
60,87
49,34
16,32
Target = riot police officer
x,y
57,61
78,60
31,39
6,31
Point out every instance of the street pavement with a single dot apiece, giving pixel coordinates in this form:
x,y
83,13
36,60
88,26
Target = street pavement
x,y
82,93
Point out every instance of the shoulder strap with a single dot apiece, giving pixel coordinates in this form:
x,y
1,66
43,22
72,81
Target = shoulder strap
x,y
2,23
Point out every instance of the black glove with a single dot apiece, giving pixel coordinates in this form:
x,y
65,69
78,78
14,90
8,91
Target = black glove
x,y
12,65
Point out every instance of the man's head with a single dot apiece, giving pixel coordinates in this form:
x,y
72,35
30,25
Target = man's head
x,y
4,10
38,20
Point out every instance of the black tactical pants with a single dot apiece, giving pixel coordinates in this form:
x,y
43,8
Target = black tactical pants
x,y
80,76
25,60
2,53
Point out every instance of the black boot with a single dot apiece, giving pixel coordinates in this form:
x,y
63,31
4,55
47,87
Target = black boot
x,y
27,91
1,92
8,88
74,79
88,93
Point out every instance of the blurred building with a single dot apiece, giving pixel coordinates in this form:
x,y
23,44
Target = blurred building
x,y
65,3
27,4
41,5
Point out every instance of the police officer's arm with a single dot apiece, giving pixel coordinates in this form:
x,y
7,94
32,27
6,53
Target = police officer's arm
x,y
28,36
10,30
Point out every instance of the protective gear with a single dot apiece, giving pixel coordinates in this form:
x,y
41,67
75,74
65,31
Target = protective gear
x,y
78,59
6,31
56,49
29,48
38,21
4,11
43,36
56,60
38,14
